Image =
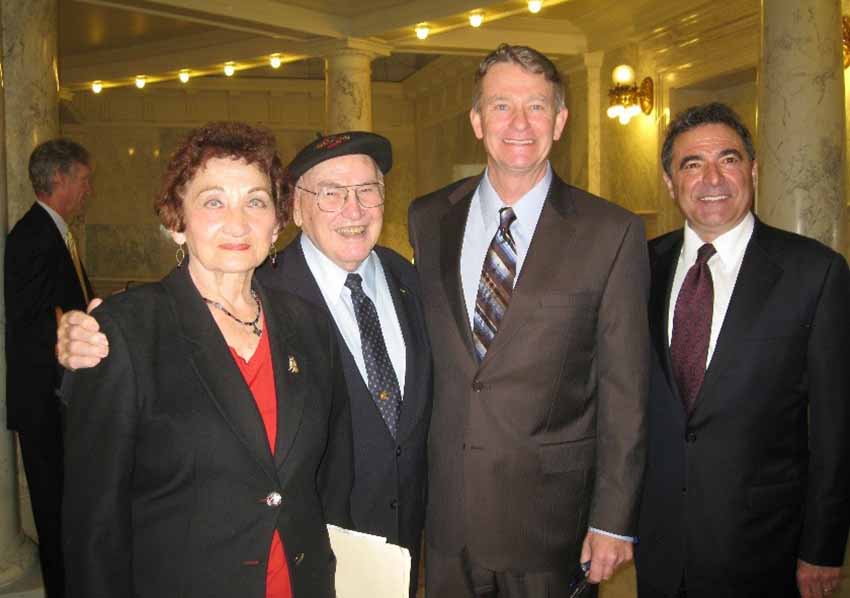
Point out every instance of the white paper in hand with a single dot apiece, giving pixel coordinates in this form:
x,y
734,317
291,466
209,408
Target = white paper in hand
x,y
367,566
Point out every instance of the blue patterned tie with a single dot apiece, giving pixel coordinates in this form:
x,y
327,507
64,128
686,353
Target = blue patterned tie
x,y
496,285
382,381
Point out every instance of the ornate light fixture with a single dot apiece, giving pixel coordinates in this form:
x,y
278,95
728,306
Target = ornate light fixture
x,y
422,30
626,99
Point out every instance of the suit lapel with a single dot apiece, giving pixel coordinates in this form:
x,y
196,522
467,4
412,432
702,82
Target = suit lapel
x,y
451,242
554,235
663,271
216,369
406,311
288,363
756,279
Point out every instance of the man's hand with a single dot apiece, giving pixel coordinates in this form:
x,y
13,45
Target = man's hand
x,y
605,554
815,581
79,342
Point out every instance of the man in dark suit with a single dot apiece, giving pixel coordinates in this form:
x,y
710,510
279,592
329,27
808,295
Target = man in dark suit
x,y
337,182
535,297
747,490
43,273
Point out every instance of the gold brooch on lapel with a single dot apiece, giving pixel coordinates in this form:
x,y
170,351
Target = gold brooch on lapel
x,y
384,395
293,365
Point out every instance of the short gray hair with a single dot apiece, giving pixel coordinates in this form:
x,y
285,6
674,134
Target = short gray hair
x,y
50,157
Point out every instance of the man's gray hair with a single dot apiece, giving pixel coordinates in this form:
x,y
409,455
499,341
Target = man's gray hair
x,y
50,157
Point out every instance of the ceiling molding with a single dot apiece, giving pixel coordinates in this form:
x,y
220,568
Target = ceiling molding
x,y
486,40
265,17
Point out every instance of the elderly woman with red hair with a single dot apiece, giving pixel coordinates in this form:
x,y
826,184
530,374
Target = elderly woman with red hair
x,y
205,454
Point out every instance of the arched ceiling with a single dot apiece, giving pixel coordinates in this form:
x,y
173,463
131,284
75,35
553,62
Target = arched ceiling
x,y
114,40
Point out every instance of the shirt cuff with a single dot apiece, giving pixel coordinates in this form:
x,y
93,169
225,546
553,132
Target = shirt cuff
x,y
631,539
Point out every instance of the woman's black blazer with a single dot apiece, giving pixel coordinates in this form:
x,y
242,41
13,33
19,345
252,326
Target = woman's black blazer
x,y
167,463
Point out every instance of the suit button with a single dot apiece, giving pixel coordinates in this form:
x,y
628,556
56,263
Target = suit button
x,y
691,437
477,386
394,504
273,499
398,451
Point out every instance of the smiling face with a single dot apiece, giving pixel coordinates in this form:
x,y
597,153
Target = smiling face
x,y
712,179
348,236
229,216
517,119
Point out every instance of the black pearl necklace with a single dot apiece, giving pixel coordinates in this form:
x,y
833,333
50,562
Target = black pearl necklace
x,y
254,324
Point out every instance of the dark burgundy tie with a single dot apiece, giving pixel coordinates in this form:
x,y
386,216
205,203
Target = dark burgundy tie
x,y
692,328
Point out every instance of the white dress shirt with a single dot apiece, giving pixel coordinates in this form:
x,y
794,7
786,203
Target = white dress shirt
x,y
57,219
724,266
331,280
482,223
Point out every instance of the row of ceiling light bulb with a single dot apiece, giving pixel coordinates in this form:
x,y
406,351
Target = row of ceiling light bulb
x,y
275,61
422,30
476,18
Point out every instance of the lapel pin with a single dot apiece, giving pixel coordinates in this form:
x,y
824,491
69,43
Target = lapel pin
x,y
384,395
293,365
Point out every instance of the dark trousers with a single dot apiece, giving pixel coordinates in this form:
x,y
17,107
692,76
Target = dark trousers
x,y
43,464
459,576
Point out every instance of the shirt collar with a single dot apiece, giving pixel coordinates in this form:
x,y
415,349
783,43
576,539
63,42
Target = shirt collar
x,y
57,219
527,209
730,245
331,278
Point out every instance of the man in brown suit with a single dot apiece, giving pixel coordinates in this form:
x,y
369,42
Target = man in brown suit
x,y
535,297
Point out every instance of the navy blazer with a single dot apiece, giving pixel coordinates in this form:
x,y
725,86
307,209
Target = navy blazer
x,y
388,497
39,277
168,463
759,475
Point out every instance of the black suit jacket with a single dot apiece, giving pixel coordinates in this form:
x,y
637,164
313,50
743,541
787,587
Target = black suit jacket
x,y
388,497
39,276
546,434
760,473
167,459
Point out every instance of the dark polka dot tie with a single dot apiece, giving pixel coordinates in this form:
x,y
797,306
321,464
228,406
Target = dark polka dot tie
x,y
382,381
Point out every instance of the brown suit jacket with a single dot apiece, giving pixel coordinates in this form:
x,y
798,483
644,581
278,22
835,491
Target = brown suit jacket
x,y
546,434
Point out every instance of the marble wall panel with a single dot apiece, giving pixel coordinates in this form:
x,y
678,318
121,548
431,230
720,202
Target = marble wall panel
x,y
570,161
209,105
138,252
250,107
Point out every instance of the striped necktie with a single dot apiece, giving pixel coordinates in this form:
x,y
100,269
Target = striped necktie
x,y
496,284
75,257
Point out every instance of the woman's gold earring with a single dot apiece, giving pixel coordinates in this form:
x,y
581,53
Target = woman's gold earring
x,y
273,256
180,255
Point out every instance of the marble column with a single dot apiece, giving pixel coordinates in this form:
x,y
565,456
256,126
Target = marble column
x,y
348,83
593,64
801,132
17,553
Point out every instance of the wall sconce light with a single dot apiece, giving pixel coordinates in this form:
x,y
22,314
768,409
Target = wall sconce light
x,y
534,6
97,86
476,18
422,30
626,99
183,75
140,81
275,61
845,39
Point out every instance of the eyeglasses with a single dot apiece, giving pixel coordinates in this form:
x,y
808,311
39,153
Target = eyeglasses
x,y
332,198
